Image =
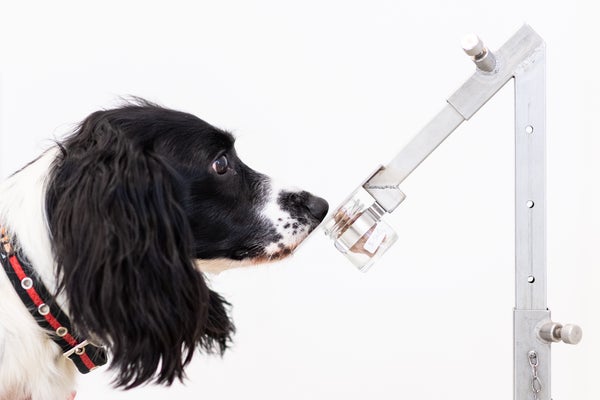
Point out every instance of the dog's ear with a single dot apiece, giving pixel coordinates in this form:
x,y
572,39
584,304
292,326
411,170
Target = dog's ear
x,y
123,248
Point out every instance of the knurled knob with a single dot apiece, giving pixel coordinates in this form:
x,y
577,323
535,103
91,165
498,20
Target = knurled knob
x,y
571,333
472,45
483,58
554,332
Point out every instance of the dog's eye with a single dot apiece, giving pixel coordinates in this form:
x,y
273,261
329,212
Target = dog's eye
x,y
220,165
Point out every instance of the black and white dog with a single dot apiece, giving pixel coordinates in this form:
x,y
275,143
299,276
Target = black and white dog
x,y
119,222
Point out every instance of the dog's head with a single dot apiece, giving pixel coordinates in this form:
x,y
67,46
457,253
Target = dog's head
x,y
139,197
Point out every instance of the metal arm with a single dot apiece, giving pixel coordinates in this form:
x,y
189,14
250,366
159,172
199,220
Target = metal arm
x,y
360,233
516,54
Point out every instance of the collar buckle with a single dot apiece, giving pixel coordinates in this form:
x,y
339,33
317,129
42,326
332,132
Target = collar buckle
x,y
79,349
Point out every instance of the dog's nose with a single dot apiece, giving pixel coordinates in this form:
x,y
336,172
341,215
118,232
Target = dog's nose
x,y
317,207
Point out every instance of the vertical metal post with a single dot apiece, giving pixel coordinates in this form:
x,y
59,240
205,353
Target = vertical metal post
x,y
530,231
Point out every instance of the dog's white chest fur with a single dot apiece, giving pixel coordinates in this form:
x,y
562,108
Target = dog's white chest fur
x,y
31,365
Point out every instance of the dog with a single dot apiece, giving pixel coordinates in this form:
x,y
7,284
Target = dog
x,y
113,229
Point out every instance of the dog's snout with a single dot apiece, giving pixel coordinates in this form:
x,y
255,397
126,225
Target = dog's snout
x,y
294,215
317,207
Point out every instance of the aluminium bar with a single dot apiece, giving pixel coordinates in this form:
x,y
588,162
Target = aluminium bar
x,y
465,102
530,227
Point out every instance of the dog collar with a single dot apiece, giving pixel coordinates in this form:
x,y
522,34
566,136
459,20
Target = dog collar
x,y
36,297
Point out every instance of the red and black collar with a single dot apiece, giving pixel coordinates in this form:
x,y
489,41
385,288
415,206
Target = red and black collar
x,y
41,305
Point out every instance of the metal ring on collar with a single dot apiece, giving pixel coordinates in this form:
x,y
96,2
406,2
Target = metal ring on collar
x,y
26,283
61,331
43,309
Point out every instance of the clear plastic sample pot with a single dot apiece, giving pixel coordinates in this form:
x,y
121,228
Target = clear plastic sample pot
x,y
358,230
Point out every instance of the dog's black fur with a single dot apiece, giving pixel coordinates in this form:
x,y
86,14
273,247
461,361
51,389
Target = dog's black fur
x,y
131,201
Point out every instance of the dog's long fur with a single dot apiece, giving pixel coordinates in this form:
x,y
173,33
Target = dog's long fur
x,y
116,220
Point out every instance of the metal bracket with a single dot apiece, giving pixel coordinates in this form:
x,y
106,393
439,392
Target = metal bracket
x,y
522,57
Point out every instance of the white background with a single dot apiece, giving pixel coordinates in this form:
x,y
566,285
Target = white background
x,y
319,93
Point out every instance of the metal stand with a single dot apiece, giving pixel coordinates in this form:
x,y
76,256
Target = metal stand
x,y
522,57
